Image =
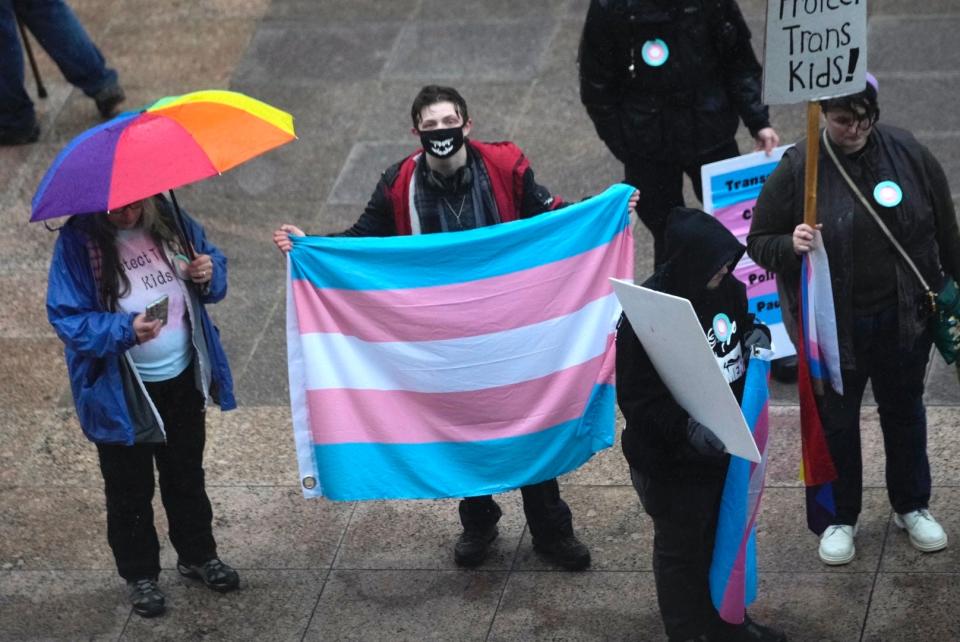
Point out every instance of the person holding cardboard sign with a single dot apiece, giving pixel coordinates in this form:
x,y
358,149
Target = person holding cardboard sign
x,y
678,465
872,177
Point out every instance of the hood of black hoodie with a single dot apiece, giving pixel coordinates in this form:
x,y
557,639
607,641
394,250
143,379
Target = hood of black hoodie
x,y
696,247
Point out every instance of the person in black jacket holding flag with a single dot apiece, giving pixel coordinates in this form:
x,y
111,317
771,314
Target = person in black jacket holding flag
x,y
677,465
454,183
881,306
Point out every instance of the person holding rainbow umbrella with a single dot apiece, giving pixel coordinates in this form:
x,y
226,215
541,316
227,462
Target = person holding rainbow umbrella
x,y
129,281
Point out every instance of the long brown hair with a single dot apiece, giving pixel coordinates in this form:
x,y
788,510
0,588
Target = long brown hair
x,y
157,219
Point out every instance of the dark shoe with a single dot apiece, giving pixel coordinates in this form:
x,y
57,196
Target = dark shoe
x,y
784,369
567,552
214,574
473,545
108,98
147,600
10,137
749,631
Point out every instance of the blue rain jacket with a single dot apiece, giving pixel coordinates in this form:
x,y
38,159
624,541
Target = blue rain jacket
x,y
95,339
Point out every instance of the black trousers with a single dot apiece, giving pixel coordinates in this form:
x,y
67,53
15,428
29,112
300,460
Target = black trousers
x,y
897,379
684,513
661,188
547,514
128,485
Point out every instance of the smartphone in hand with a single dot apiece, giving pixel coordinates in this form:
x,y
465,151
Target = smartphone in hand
x,y
158,310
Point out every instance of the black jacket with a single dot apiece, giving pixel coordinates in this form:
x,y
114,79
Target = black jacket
x,y
924,223
378,216
689,105
654,441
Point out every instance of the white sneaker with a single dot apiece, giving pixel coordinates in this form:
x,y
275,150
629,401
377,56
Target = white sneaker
x,y
925,533
836,544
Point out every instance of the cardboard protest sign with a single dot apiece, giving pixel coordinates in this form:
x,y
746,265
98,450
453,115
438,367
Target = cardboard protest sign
x,y
730,190
814,49
673,339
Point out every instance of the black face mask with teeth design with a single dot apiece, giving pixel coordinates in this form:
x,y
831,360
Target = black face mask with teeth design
x,y
442,143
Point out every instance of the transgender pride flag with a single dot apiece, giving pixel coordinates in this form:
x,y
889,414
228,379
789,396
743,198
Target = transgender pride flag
x,y
733,569
818,365
458,364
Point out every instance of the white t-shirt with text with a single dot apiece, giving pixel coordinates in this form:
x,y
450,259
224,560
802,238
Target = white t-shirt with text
x,y
142,260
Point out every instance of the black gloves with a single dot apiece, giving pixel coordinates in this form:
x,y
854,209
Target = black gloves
x,y
702,439
759,337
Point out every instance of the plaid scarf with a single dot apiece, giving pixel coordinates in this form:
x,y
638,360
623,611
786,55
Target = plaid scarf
x,y
452,203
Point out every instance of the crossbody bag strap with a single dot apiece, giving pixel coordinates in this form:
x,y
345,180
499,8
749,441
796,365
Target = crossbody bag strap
x,y
873,213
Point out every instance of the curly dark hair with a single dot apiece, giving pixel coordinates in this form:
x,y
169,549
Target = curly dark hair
x,y
864,105
433,94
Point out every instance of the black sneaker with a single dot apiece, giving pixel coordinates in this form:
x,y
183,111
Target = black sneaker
x,y
749,631
108,98
25,136
146,598
214,573
473,545
566,552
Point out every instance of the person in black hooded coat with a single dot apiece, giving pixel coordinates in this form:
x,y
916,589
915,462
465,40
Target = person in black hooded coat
x,y
677,465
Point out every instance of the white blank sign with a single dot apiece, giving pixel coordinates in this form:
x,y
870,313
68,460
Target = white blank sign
x,y
673,339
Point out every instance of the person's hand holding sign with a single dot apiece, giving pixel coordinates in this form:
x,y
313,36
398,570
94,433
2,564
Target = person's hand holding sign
x,y
766,140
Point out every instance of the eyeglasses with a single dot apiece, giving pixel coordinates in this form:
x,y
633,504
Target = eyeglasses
x,y
123,209
845,121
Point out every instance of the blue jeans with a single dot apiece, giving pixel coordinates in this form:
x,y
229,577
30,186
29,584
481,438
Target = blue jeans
x,y
59,32
897,379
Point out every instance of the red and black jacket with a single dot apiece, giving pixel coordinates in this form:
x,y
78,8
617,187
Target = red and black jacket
x,y
515,192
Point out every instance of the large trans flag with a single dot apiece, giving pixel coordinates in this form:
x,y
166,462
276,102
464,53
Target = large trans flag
x,y
458,364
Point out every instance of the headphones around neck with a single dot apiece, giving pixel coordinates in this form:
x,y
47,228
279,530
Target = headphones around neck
x,y
456,182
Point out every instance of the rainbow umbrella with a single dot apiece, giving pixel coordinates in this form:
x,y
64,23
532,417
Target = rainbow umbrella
x,y
175,141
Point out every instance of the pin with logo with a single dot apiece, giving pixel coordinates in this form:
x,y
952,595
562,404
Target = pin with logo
x,y
721,327
655,52
888,194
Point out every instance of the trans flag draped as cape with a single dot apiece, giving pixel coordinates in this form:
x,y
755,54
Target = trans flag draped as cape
x,y
818,365
733,570
458,364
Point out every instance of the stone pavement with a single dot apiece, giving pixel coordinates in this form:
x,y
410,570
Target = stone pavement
x,y
384,571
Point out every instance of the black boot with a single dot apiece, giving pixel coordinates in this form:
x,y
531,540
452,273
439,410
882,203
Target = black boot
x,y
214,573
107,100
146,598
479,516
749,631
473,545
566,552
